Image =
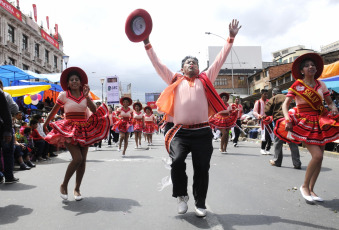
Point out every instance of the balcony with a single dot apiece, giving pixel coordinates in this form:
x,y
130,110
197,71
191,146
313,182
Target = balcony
x,y
12,46
37,60
26,53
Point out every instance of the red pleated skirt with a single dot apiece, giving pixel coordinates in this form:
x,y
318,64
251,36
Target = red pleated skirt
x,y
224,121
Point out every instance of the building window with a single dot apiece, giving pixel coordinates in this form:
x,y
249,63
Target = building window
x,y
36,50
25,67
220,81
55,61
257,78
281,81
11,33
36,71
46,56
241,81
11,61
287,79
24,42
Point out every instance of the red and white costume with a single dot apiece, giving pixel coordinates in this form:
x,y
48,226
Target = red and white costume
x,y
150,125
78,127
309,124
225,119
137,121
124,124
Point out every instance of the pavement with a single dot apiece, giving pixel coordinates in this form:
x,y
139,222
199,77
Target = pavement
x,y
134,192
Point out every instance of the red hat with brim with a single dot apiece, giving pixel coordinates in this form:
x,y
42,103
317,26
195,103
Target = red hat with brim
x,y
72,70
148,107
138,25
225,94
126,98
316,58
137,103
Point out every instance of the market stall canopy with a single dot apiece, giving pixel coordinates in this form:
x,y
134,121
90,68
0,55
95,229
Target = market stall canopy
x,y
9,73
330,76
53,77
21,90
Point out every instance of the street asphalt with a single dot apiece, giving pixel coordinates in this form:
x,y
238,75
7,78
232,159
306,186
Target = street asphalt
x,y
245,192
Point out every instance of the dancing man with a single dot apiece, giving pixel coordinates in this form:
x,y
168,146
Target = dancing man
x,y
190,99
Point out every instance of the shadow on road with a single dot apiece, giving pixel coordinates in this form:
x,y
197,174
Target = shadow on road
x,y
11,213
333,205
16,187
232,220
96,204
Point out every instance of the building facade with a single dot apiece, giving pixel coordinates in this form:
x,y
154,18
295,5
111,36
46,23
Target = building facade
x,y
288,55
26,45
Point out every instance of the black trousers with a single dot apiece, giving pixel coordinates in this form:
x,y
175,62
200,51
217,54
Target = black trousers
x,y
267,144
199,143
237,132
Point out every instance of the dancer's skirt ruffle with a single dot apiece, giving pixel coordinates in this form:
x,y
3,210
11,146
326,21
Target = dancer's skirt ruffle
x,y
309,127
80,131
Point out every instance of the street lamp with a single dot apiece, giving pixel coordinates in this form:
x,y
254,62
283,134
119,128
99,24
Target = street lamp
x,y
66,59
102,89
209,33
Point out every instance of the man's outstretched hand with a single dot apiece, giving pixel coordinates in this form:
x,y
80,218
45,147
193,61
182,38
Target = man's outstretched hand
x,y
234,28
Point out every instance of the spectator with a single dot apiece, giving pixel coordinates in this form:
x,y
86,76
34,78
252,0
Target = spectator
x,y
12,106
39,142
6,135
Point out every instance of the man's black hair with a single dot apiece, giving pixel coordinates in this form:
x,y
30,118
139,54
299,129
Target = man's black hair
x,y
189,57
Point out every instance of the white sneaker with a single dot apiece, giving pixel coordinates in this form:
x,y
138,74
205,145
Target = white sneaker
x,y
201,212
267,152
182,204
263,152
136,147
235,144
119,150
96,148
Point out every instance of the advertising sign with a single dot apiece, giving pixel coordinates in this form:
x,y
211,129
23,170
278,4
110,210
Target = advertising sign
x,y
112,90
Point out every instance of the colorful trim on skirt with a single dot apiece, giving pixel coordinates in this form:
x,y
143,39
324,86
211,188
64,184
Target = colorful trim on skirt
x,y
80,131
223,121
309,127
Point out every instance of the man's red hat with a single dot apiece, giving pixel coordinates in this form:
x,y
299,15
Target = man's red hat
x,y
71,70
318,62
224,94
138,25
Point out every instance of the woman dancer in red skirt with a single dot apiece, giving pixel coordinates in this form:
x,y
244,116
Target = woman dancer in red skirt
x,y
78,130
150,124
138,122
224,121
310,122
124,124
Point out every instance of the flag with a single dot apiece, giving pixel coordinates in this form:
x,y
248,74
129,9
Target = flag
x,y
47,20
35,13
56,36
17,3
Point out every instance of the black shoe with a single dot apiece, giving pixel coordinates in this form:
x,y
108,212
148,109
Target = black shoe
x,y
12,181
297,167
23,166
53,155
30,164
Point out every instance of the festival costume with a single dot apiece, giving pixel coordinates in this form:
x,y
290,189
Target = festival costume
x,y
78,127
225,119
124,124
150,126
190,101
238,122
266,124
137,121
312,122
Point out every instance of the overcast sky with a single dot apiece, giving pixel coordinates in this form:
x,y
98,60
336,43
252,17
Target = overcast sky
x,y
94,32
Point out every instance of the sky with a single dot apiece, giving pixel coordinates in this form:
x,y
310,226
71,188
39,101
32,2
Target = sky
x,y
94,32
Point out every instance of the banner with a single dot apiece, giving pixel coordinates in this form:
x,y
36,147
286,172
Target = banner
x,y
49,38
152,104
112,90
56,36
11,9
35,13
47,20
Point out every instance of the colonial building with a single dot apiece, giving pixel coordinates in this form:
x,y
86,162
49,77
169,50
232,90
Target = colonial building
x,y
288,55
27,45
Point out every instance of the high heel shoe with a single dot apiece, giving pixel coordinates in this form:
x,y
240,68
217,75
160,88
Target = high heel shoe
x,y
308,199
317,198
77,198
